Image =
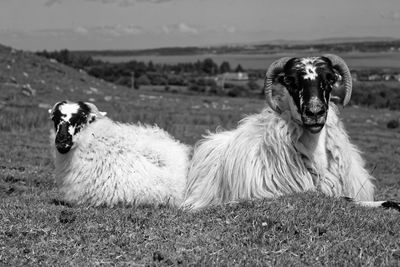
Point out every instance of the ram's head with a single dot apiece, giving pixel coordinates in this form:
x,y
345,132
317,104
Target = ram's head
x,y
309,84
69,119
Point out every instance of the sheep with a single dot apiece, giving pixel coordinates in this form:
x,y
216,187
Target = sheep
x,y
102,162
297,143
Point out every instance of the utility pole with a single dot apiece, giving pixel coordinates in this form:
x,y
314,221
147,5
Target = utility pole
x,y
132,80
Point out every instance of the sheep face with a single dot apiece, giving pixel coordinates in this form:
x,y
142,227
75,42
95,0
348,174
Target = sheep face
x,y
308,85
69,119
309,82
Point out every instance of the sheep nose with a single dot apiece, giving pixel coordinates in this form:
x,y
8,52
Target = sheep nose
x,y
314,111
63,139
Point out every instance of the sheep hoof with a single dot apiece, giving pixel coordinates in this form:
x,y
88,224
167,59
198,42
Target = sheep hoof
x,y
348,199
391,205
59,202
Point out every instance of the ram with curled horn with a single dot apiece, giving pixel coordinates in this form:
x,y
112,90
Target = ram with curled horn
x,y
296,144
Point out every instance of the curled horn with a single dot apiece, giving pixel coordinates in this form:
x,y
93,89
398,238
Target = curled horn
x,y
273,71
339,64
95,110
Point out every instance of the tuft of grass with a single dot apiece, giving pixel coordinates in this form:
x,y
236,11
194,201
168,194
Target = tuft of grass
x,y
299,229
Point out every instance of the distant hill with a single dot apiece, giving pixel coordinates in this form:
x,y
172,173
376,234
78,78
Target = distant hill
x,y
4,49
376,44
338,40
354,40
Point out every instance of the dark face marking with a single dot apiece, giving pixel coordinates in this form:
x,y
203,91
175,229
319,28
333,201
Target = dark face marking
x,y
309,82
56,114
69,118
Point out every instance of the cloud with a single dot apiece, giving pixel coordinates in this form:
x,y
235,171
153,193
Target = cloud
x,y
122,3
229,28
48,32
11,33
165,29
393,15
52,2
154,1
184,28
132,2
81,30
181,27
119,30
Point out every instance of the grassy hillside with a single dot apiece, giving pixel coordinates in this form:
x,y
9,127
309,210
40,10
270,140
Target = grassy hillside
x,y
302,229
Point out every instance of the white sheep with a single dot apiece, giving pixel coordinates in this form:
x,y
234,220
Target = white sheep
x,y
102,162
297,143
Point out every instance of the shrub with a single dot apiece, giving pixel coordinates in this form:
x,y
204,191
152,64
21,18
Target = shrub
x,y
143,80
393,124
197,88
253,85
376,95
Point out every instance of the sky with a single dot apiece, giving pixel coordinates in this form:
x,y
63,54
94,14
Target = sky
x,y
139,24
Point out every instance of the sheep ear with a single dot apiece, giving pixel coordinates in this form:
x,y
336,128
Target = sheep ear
x,y
280,78
92,117
95,110
50,111
338,93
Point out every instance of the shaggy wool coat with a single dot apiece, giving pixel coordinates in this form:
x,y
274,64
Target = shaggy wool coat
x,y
112,163
268,155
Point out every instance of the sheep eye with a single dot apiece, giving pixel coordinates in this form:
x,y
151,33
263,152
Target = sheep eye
x,y
331,78
288,80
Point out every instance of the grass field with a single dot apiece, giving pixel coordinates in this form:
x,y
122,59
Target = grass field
x,y
301,229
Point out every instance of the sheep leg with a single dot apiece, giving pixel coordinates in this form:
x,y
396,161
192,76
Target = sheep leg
x,y
387,204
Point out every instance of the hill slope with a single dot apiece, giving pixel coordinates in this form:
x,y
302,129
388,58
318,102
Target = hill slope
x,y
39,80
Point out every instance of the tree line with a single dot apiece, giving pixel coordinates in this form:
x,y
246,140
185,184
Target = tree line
x,y
196,76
